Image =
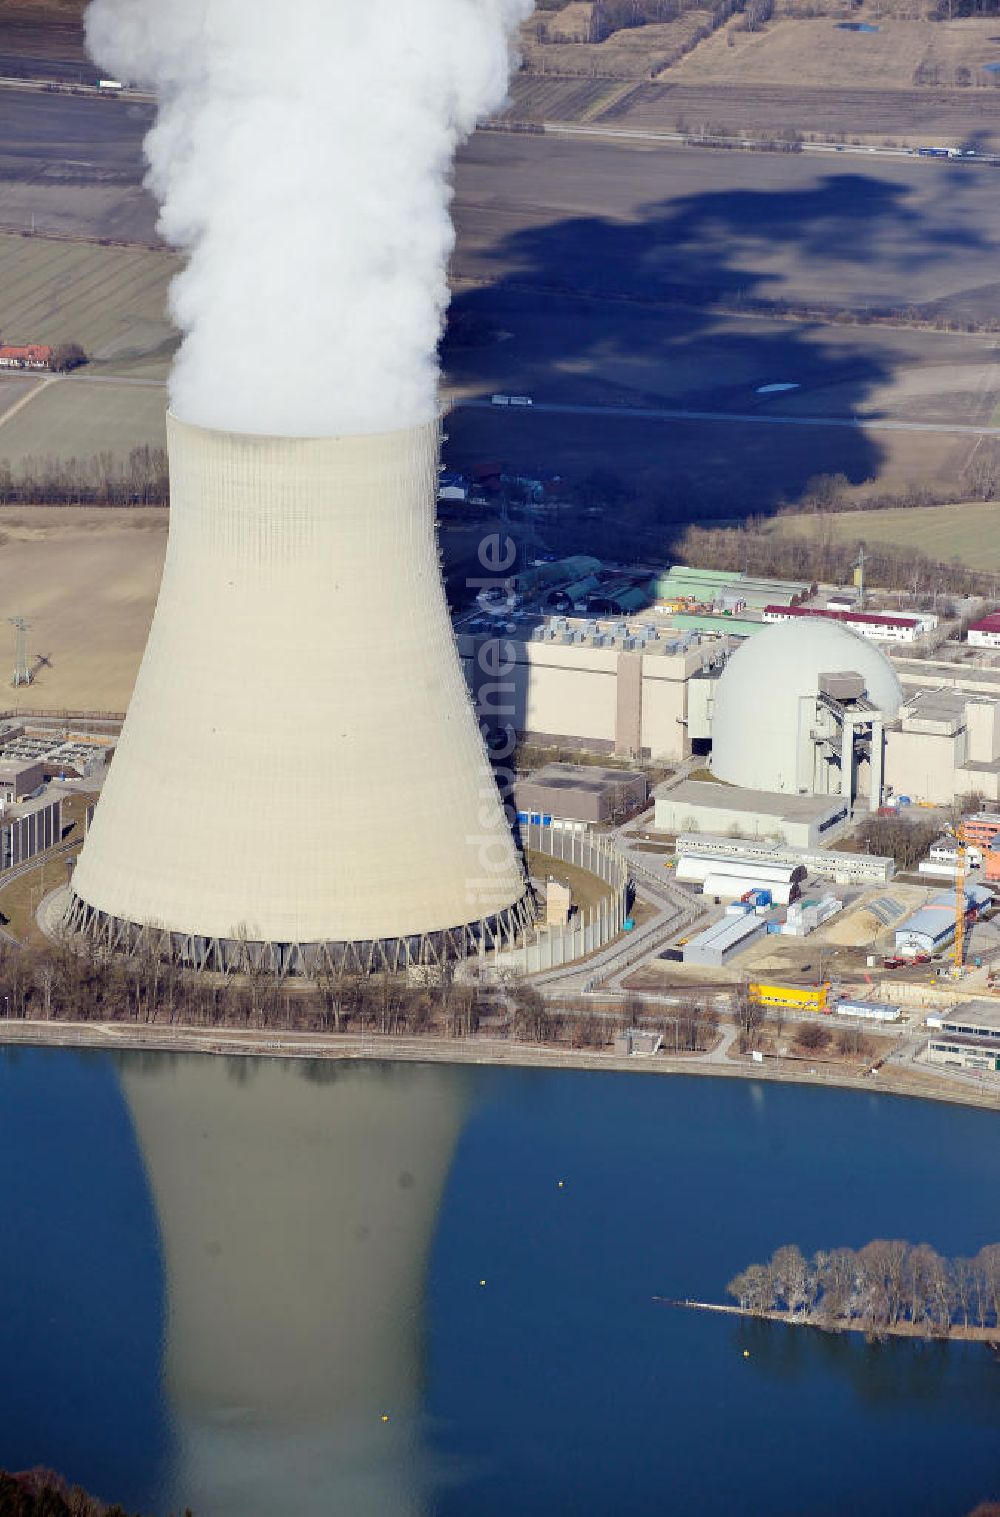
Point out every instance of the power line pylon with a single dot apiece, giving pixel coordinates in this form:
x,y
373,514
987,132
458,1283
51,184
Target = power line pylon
x,y
22,674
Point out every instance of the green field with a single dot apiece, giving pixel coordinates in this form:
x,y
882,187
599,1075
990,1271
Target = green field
x,y
110,300
967,532
75,419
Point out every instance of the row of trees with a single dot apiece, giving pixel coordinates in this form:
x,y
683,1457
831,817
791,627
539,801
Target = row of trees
x,y
757,1024
104,479
885,1284
898,838
42,1493
82,984
814,557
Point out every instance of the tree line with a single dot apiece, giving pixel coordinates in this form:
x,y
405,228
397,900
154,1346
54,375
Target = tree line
x,y
43,1493
881,1287
756,1024
819,559
85,984
104,479
898,838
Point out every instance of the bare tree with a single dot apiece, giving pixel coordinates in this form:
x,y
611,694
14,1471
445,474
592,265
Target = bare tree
x,y
748,1016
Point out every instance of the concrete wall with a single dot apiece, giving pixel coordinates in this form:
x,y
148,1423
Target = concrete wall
x,y
982,720
683,816
22,837
607,698
921,765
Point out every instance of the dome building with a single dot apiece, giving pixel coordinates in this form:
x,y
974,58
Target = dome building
x,y
801,708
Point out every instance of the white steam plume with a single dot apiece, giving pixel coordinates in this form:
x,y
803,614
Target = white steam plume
x,y
301,155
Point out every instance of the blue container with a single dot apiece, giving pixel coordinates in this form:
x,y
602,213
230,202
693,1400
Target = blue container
x,y
628,924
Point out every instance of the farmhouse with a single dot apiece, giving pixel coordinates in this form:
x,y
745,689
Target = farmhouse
x,y
34,356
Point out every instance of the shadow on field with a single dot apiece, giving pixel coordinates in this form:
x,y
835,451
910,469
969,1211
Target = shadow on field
x,y
666,311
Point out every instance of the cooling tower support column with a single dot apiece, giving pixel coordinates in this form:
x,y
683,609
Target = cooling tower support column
x,y
301,780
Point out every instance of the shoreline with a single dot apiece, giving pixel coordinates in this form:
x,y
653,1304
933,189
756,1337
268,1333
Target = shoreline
x,y
958,1333
271,1043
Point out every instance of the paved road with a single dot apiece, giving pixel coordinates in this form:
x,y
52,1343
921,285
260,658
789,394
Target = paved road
x,y
114,379
761,418
625,134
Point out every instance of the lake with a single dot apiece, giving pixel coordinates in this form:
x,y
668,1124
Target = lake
x,y
259,1287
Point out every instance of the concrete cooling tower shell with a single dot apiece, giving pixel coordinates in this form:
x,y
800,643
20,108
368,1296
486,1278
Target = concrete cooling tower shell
x,y
767,691
301,766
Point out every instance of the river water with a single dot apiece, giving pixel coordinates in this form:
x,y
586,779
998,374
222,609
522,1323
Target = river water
x,y
266,1287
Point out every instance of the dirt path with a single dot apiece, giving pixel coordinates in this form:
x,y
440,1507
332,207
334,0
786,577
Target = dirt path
x,y
25,400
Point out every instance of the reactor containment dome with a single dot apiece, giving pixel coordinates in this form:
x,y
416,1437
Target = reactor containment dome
x,y
301,780
767,695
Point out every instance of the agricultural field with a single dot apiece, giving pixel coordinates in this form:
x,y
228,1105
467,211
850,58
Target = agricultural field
x,y
816,53
631,53
110,300
13,391
543,97
908,80
78,418
945,117
968,532
87,580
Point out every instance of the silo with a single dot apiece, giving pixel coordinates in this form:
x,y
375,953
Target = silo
x,y
301,777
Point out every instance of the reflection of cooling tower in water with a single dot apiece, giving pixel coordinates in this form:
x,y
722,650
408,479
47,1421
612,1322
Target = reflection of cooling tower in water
x,y
301,764
296,1206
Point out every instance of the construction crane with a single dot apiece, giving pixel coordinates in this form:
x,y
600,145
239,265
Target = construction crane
x,y
961,905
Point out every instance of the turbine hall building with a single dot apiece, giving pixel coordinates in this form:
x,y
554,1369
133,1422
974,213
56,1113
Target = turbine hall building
x,y
362,829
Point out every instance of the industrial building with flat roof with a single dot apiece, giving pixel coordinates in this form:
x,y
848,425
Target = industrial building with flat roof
x,y
724,940
617,688
29,829
890,629
945,742
986,632
799,820
19,777
578,795
867,1011
842,868
963,1051
728,590
973,1019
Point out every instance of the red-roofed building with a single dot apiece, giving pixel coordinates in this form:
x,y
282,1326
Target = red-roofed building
x,y
893,629
34,356
985,633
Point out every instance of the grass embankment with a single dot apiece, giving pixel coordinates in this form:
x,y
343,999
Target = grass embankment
x,y
587,890
967,531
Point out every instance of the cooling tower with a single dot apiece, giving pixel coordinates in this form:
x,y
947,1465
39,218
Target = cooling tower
x,y
301,767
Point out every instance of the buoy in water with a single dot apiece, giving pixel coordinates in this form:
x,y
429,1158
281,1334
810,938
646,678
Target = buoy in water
x,y
385,1416
746,1353
561,1184
482,1282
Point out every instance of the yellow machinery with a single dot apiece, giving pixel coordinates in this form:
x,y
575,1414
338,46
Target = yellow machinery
x,y
791,997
